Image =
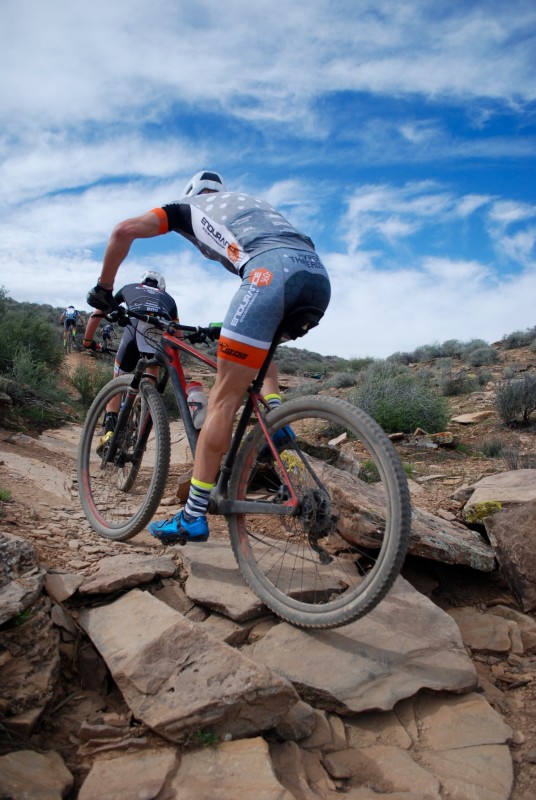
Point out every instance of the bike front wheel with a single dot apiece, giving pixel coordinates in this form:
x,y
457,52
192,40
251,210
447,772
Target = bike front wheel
x,y
337,555
120,496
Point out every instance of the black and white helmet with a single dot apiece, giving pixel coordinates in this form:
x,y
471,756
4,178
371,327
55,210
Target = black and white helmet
x,y
203,181
155,279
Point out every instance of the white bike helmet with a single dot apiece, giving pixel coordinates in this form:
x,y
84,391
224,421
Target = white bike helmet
x,y
154,279
202,181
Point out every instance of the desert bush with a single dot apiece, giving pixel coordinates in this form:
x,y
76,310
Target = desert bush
x,y
400,358
452,348
340,380
514,459
311,387
508,373
492,448
88,382
358,364
480,356
452,384
400,402
427,352
29,332
483,376
518,339
515,399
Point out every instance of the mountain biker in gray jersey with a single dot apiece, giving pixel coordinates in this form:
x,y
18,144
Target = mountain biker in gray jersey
x,y
149,296
279,270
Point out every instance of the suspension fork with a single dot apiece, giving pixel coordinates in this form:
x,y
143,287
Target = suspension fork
x,y
125,410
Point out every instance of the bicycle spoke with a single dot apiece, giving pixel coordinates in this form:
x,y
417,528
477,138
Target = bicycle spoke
x,y
341,550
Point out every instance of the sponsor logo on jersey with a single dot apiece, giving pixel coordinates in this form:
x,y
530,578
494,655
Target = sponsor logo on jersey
x,y
233,252
215,234
229,351
261,277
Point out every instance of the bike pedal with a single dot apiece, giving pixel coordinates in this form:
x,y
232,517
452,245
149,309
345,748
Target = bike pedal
x,y
103,442
172,539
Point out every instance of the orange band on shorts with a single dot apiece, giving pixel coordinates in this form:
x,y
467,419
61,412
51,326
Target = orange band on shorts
x,y
240,353
162,216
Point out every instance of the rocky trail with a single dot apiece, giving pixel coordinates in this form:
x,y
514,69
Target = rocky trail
x,y
132,670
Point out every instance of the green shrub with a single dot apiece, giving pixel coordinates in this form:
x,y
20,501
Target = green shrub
x,y
518,339
481,356
483,376
311,387
88,382
400,402
454,384
515,400
357,364
493,448
340,380
20,329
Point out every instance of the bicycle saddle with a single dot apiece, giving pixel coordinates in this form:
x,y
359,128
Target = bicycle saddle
x,y
299,321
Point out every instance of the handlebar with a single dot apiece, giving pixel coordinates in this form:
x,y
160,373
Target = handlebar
x,y
194,334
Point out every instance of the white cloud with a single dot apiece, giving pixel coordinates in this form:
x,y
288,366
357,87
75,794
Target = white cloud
x,y
110,106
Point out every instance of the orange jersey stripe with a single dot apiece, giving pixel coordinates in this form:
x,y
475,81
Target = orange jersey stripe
x,y
241,353
162,216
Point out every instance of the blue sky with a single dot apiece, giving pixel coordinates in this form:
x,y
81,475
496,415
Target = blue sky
x,y
400,137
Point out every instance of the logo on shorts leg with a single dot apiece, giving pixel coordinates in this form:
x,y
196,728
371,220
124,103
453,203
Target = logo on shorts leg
x,y
261,277
230,352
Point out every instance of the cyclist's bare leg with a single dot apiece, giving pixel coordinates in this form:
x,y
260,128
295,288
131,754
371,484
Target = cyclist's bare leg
x,y
232,380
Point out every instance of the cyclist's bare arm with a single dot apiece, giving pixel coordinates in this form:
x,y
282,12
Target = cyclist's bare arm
x,y
91,327
120,241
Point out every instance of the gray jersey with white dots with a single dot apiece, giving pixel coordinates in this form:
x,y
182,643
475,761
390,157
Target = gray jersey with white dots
x,y
232,227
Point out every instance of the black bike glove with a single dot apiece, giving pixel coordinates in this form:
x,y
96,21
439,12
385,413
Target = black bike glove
x,y
102,299
214,330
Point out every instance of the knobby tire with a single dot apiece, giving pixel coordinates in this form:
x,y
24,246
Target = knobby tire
x,y
119,498
354,511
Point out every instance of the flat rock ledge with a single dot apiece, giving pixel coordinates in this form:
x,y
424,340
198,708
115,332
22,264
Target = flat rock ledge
x,y
177,678
402,646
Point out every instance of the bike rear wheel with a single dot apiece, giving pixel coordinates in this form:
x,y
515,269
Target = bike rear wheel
x,y
338,555
120,497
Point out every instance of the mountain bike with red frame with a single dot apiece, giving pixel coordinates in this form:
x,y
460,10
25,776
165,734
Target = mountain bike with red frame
x,y
315,540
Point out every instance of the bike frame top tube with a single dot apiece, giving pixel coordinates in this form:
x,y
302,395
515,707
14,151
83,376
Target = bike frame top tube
x,y
167,355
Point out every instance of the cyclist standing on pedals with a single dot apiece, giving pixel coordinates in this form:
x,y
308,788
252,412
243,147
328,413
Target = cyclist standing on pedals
x,y
149,296
70,319
280,271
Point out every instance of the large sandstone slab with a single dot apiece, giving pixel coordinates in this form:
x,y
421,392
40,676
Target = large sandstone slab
x,y
512,533
177,678
27,774
134,775
405,644
126,571
214,580
515,486
229,771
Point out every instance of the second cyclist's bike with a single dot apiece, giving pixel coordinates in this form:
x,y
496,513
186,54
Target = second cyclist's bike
x,y
315,540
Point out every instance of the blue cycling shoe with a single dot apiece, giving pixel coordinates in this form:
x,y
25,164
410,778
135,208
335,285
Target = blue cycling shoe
x,y
284,436
282,439
177,530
